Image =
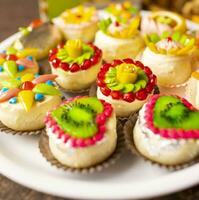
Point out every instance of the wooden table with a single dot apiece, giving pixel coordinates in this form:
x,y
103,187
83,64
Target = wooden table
x,y
13,14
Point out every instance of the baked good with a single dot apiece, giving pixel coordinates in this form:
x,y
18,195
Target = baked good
x,y
82,132
126,84
24,101
117,39
161,21
78,23
76,64
167,130
192,89
14,65
170,57
32,42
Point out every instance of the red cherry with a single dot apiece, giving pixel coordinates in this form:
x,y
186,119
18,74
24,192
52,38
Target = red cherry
x,y
86,65
141,95
52,52
116,94
52,57
169,39
95,60
64,66
129,97
149,87
100,83
139,64
117,24
56,62
128,60
74,67
98,52
60,46
105,91
11,57
117,62
148,70
101,75
101,119
106,67
153,80
27,85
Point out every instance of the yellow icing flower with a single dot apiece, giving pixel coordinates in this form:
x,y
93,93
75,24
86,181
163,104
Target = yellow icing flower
x,y
74,48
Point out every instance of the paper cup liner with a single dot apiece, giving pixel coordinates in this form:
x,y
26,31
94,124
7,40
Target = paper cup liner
x,y
93,93
5,129
45,151
129,141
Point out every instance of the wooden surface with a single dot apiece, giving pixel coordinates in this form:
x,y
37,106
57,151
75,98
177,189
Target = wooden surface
x,y
13,14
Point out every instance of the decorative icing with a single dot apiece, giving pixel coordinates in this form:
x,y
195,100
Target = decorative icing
x,y
172,117
126,79
172,44
119,29
78,15
79,121
27,90
75,56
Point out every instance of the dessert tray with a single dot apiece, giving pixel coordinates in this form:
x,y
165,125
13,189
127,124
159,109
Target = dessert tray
x,y
130,178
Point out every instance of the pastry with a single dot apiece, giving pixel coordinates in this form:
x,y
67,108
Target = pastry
x,y
82,132
78,23
76,64
126,84
119,39
24,101
170,57
192,89
161,21
167,130
14,65
32,42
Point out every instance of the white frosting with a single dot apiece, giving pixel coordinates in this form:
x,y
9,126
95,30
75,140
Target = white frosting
x,y
114,48
167,45
169,69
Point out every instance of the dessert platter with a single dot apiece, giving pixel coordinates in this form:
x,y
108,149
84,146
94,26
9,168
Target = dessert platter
x,y
101,104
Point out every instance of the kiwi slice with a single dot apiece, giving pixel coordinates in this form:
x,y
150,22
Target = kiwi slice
x,y
141,83
118,87
110,80
110,85
128,88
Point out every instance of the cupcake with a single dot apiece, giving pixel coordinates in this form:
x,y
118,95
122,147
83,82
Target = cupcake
x,y
126,84
117,39
24,101
120,11
76,64
167,130
82,132
13,65
161,21
192,89
170,57
78,23
32,42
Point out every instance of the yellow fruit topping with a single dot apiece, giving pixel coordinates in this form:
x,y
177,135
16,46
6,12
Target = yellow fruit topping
x,y
195,75
27,52
27,77
26,98
126,73
74,48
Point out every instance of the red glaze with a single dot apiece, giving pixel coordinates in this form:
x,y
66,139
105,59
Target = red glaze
x,y
27,85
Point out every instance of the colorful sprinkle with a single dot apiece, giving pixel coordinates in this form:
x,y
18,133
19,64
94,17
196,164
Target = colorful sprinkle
x,y
1,68
13,100
4,89
21,68
39,97
30,58
49,82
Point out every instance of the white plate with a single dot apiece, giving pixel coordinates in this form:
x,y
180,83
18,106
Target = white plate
x,y
130,177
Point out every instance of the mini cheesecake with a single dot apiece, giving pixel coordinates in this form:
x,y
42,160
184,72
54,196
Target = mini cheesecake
x,y
82,132
167,131
12,65
161,21
126,84
119,39
78,23
192,89
25,101
76,64
170,57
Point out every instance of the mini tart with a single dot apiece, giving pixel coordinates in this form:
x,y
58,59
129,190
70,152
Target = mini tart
x,y
13,65
82,132
119,39
167,131
192,89
24,101
76,64
126,84
170,57
120,11
78,23
32,42
161,21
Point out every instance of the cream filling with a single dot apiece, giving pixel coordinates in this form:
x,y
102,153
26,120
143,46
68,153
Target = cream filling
x,y
86,156
77,80
170,70
114,48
